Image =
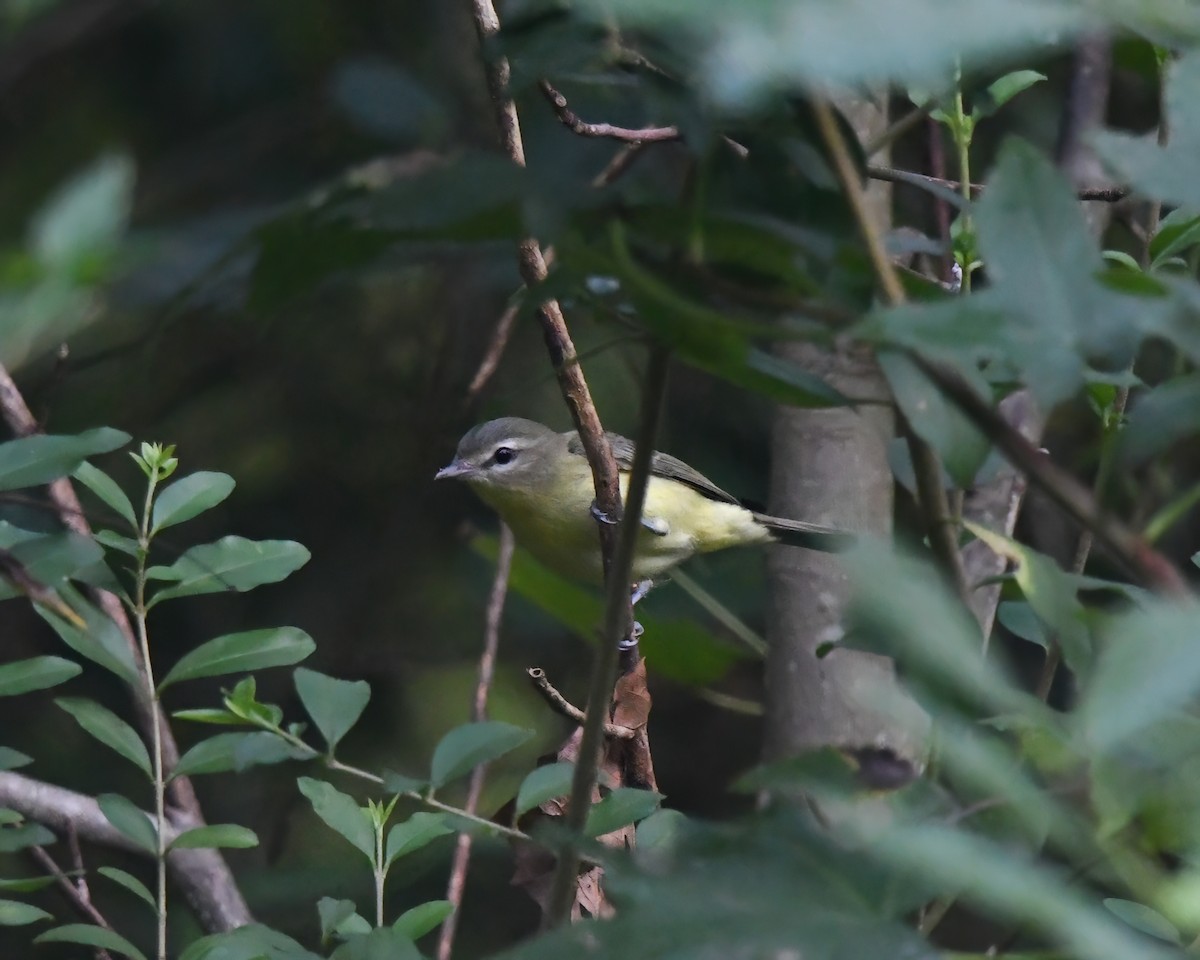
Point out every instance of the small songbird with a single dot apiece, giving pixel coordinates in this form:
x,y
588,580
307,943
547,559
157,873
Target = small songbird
x,y
540,483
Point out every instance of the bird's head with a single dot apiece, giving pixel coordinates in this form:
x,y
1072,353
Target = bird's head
x,y
509,453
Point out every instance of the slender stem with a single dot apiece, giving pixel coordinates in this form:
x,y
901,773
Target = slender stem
x,y
156,753
962,141
617,623
456,885
380,875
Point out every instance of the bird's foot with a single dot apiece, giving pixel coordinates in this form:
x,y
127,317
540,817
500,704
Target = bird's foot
x,y
632,640
639,591
600,516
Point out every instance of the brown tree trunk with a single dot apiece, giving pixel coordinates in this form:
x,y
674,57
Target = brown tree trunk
x,y
831,466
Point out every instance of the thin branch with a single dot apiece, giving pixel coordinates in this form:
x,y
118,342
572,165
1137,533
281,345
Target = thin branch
x,y
1143,561
940,185
608,131
63,810
501,334
77,896
532,266
899,128
939,521
204,875
487,670
617,621
621,161
564,707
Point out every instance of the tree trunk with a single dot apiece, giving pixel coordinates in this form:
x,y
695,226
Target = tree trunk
x,y
831,466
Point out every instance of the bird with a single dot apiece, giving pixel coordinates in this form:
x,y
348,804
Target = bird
x,y
540,483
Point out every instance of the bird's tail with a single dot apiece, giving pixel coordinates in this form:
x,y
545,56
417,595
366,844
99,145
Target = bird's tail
x,y
800,533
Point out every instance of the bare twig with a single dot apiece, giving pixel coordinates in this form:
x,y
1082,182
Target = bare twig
x,y
939,185
1147,564
621,161
495,351
77,896
939,522
204,875
617,623
899,128
607,131
487,670
564,707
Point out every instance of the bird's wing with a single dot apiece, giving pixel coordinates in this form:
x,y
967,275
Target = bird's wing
x,y
661,465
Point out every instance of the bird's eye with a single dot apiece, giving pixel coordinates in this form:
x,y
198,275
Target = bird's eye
x,y
504,455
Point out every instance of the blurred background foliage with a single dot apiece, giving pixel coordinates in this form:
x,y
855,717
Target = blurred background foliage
x,y
278,235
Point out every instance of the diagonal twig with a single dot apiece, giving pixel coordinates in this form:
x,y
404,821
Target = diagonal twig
x,y
487,670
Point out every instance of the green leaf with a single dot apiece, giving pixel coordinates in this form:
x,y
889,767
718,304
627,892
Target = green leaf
x,y
340,813
22,837
229,835
1000,91
48,558
130,883
16,914
414,833
10,759
232,563
87,215
36,673
936,420
130,820
1148,668
109,729
1018,618
544,783
1143,918
339,918
101,641
1013,887
1167,172
33,461
253,942
1160,418
215,716
1050,314
237,752
1051,592
661,831
107,490
749,50
241,653
190,497
465,747
1178,232
115,541
382,943
26,884
417,921
334,705
90,936
402,783
622,806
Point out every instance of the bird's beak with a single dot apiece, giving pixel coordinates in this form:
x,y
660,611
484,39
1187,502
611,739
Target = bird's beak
x,y
456,468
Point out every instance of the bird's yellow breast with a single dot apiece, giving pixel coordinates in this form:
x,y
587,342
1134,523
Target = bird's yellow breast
x,y
555,524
